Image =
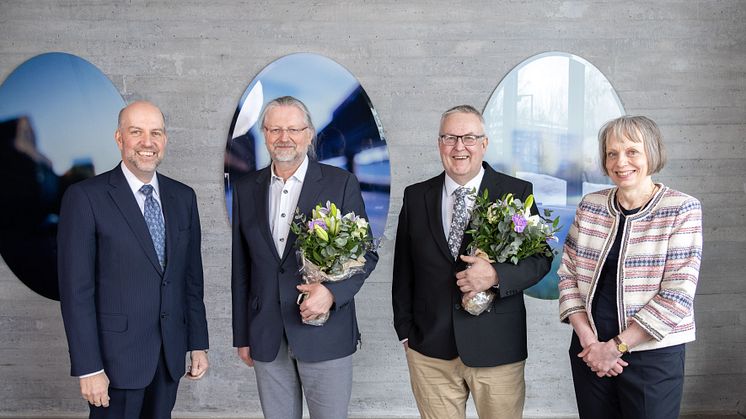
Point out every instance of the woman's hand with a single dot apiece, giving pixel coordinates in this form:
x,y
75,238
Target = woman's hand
x,y
582,327
603,358
587,339
617,369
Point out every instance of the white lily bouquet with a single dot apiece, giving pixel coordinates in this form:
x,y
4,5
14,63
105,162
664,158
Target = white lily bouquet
x,y
505,231
331,247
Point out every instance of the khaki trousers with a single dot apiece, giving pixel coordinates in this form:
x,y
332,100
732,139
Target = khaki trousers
x,y
441,388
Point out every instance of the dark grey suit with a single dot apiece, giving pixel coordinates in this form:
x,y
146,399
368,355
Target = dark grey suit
x,y
263,282
265,313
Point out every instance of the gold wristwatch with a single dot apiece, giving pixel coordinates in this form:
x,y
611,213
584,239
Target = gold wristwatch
x,y
621,346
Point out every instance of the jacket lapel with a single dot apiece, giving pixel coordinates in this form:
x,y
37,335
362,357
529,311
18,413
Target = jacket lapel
x,y
168,205
312,186
125,201
262,207
434,204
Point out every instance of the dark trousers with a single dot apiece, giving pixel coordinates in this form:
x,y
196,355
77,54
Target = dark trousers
x,y
650,387
156,401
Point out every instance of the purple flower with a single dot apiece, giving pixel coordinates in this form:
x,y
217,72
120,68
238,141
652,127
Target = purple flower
x,y
317,222
325,210
519,221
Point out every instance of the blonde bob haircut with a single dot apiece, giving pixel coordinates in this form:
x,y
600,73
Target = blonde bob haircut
x,y
636,129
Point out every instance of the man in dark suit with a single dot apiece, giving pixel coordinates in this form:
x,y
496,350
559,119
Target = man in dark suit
x,y
450,352
291,358
130,277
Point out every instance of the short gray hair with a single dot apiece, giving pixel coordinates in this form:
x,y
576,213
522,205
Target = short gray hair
x,y
463,109
291,101
636,129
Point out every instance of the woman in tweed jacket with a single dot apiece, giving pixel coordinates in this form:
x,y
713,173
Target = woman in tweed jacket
x,y
627,281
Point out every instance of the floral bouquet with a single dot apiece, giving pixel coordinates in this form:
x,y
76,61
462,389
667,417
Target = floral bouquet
x,y
331,247
504,231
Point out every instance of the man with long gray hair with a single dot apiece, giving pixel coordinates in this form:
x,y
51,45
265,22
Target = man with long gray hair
x,y
291,358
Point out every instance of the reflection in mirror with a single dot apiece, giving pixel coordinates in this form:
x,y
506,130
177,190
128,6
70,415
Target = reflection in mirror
x,y
349,133
542,122
58,114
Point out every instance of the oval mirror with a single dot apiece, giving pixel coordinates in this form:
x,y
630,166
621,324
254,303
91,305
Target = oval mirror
x,y
542,122
349,133
58,114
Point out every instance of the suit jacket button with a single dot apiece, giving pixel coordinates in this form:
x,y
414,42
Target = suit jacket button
x,y
164,315
457,306
282,270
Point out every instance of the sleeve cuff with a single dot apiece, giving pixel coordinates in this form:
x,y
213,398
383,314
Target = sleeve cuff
x,y
91,374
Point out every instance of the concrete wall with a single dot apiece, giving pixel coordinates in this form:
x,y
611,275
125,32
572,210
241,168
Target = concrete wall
x,y
683,63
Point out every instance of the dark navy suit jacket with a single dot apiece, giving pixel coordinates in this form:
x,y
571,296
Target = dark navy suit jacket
x,y
263,282
426,299
119,307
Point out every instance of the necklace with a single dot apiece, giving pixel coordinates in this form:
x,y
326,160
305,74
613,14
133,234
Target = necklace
x,y
644,201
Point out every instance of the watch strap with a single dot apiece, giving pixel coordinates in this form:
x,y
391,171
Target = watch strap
x,y
620,345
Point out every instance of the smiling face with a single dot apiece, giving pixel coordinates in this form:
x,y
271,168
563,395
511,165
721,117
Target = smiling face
x,y
141,138
462,163
626,163
283,145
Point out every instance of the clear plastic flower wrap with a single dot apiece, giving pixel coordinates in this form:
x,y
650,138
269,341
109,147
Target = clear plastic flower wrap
x,y
479,303
331,247
312,273
482,301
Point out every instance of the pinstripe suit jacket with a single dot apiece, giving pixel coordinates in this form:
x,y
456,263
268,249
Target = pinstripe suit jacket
x,y
119,307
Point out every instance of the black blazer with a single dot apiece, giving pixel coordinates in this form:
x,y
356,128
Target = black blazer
x,y
119,307
426,300
263,282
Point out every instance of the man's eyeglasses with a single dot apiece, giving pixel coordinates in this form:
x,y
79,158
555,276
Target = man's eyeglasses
x,y
468,140
292,132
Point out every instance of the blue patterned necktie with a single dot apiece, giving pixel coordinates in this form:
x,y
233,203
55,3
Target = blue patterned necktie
x,y
459,221
154,220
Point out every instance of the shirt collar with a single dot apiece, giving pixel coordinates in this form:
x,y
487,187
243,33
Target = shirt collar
x,y
451,185
300,172
135,183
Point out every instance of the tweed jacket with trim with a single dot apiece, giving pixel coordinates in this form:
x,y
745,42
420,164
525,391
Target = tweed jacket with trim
x,y
658,266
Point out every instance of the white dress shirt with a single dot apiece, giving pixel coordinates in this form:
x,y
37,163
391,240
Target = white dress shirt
x,y
136,184
283,199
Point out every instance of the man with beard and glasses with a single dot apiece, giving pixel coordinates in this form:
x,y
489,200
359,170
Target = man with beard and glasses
x,y
130,276
290,358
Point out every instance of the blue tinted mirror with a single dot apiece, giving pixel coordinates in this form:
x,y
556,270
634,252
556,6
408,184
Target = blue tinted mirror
x,y
349,133
542,122
58,114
